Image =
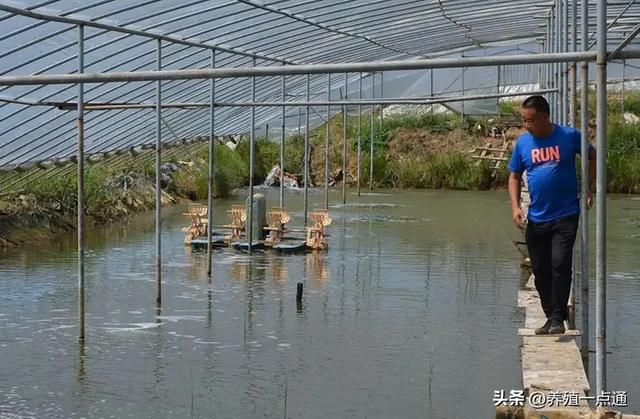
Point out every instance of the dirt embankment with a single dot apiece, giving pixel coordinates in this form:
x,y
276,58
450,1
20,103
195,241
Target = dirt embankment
x,y
403,144
27,217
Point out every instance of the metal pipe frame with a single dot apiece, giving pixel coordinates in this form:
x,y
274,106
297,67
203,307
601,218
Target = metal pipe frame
x,y
573,69
98,60
306,157
382,98
551,67
252,142
359,151
158,183
574,123
601,195
498,89
622,89
174,19
149,105
304,69
81,221
389,101
616,51
462,90
565,66
584,170
114,28
431,89
611,24
282,139
326,146
344,140
373,109
324,27
558,44
212,157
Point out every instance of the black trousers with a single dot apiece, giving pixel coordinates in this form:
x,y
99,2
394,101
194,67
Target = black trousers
x,y
550,247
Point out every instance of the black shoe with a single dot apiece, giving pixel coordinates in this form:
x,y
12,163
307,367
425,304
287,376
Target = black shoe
x,y
557,327
544,330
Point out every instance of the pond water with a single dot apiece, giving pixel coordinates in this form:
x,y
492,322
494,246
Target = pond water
x,y
411,313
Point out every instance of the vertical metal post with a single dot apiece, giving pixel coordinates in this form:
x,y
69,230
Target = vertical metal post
x,y
284,98
252,142
624,65
554,33
565,65
551,66
561,65
326,146
498,92
299,121
558,40
601,195
540,65
573,75
373,108
381,96
573,121
431,90
306,155
344,140
359,129
158,185
547,66
584,166
212,118
80,127
462,90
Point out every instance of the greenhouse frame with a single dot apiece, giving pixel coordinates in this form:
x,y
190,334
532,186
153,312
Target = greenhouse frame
x,y
87,81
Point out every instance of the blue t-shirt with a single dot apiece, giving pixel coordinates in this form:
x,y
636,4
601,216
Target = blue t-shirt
x,y
551,172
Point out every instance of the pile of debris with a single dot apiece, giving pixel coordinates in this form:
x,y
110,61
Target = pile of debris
x,y
273,178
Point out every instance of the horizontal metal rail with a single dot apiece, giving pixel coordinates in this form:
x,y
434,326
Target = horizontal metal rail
x,y
397,101
306,69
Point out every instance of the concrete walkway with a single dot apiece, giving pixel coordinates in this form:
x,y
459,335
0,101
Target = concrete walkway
x,y
551,366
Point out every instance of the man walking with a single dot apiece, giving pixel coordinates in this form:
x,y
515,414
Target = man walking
x,y
547,152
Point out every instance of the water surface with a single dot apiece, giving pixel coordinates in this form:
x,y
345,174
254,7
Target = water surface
x,y
411,313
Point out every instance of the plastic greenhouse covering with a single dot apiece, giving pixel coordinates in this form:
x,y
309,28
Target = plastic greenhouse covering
x,y
41,37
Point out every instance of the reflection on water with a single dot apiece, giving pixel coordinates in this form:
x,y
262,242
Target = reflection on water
x,y
413,305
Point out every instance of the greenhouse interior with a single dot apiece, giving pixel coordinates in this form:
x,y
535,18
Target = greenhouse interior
x,y
340,169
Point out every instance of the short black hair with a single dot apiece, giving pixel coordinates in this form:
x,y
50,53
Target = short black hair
x,y
538,103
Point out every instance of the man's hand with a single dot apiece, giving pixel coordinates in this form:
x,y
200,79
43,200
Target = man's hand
x,y
589,200
518,218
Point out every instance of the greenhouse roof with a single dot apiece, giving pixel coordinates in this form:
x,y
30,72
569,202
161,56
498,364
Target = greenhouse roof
x,y
41,37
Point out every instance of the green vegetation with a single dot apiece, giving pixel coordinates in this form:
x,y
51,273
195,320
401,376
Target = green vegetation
x,y
409,151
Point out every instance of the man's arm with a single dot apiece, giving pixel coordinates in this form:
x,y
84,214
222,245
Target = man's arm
x,y
515,180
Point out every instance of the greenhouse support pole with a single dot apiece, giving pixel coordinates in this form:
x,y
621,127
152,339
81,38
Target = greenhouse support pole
x,y
601,195
584,166
252,143
344,140
212,115
359,130
158,177
326,146
80,127
282,139
306,156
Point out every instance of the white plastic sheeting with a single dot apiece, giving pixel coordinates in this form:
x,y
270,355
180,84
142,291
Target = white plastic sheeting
x,y
40,37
